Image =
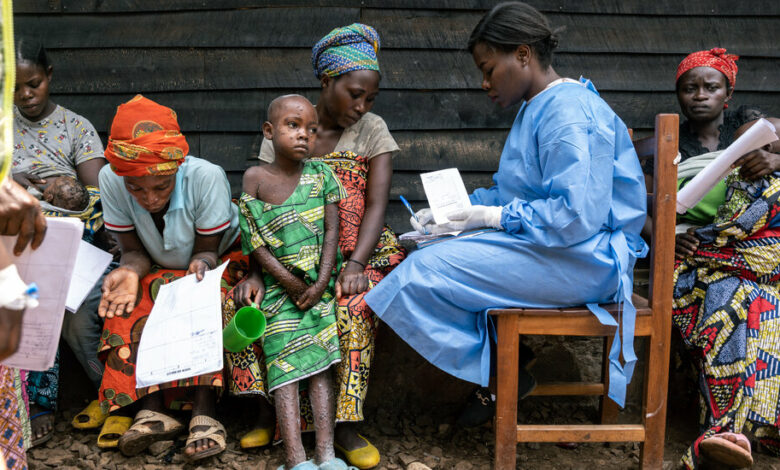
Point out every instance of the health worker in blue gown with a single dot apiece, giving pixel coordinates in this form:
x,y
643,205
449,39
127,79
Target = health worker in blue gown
x,y
568,203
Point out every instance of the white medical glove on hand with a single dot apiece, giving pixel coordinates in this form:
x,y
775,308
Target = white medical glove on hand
x,y
425,217
474,217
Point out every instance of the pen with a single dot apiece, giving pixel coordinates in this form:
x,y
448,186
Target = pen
x,y
409,208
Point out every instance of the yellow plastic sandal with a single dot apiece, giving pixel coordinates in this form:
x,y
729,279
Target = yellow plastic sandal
x,y
94,415
362,457
258,437
114,426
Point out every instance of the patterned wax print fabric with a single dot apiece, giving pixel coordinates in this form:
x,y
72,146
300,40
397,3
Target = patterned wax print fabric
x,y
297,344
727,308
573,199
122,333
356,322
200,205
368,138
345,49
43,387
12,447
55,145
145,139
715,58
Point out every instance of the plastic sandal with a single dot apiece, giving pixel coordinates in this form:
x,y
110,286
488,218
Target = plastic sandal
x,y
362,457
258,437
215,432
48,435
114,426
93,414
335,464
717,449
141,434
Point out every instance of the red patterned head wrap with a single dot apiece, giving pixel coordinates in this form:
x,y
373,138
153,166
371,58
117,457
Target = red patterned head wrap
x,y
714,58
145,139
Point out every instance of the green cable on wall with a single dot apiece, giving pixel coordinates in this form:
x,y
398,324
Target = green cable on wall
x,y
9,82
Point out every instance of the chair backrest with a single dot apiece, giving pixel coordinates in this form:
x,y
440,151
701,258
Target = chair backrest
x,y
662,147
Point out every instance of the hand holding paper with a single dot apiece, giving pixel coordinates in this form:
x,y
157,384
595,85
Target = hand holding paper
x,y
474,217
760,134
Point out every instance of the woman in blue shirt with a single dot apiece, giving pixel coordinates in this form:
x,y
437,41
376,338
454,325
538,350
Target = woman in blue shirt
x,y
568,203
172,215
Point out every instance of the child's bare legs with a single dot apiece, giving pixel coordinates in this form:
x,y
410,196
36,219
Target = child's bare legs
x,y
323,407
288,414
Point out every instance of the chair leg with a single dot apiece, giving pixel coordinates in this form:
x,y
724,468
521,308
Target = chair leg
x,y
656,388
506,393
608,408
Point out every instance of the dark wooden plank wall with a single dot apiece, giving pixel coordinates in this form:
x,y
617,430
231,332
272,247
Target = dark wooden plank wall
x,y
219,62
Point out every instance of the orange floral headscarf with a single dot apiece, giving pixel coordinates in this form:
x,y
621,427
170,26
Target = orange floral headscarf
x,y
145,139
714,58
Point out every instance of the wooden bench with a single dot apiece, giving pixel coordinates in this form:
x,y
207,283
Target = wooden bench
x,y
653,320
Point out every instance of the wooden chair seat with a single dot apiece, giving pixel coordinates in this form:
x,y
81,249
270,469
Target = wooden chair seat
x,y
576,321
653,320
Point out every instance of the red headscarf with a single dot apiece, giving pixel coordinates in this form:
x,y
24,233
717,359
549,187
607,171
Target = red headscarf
x,y
145,139
715,58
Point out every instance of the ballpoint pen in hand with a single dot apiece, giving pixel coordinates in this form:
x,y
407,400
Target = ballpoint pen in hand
x,y
409,208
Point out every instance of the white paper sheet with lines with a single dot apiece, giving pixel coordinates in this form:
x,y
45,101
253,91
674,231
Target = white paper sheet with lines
x,y
51,268
183,336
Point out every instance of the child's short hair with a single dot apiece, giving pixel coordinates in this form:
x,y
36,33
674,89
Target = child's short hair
x,y
274,105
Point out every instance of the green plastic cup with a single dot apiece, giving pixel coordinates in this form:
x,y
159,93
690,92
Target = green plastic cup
x,y
246,327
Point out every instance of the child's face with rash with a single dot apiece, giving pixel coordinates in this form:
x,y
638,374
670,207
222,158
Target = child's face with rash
x,y
292,128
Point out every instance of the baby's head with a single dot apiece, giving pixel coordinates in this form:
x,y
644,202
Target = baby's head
x,y
66,193
291,126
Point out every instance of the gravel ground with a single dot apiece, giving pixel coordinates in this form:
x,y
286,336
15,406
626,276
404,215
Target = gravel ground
x,y
422,439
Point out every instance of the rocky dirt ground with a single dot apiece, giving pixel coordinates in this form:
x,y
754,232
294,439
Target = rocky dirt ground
x,y
410,411
409,441
412,433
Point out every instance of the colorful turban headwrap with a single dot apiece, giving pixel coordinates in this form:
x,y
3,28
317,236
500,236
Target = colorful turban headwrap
x,y
715,58
345,49
145,139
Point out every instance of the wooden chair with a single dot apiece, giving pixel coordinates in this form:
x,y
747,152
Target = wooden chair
x,y
653,320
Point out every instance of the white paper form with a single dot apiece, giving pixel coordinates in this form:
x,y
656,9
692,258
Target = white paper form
x,y
51,268
91,262
183,336
446,193
759,134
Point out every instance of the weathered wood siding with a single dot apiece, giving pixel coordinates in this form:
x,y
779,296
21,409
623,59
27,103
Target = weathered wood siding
x,y
219,62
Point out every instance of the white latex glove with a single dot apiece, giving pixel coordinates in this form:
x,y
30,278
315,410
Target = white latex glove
x,y
474,217
425,217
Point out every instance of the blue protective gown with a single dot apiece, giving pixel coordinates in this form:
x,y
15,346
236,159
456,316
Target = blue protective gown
x,y
574,202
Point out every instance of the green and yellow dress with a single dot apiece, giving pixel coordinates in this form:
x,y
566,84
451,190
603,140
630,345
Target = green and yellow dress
x,y
297,344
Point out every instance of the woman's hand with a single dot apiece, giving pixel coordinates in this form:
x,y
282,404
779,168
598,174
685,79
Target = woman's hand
x,y
26,180
420,219
685,244
757,164
310,296
120,289
351,281
250,291
198,266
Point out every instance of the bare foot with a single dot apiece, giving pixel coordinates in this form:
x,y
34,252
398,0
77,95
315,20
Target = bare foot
x,y
41,425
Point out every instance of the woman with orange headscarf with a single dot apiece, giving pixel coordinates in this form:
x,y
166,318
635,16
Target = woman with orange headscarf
x,y
172,215
727,278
